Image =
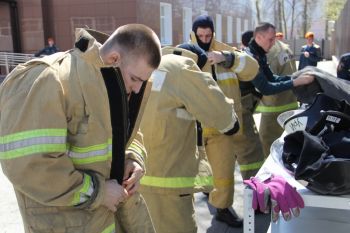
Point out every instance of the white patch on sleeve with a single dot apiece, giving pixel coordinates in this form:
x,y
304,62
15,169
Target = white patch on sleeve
x,y
283,58
158,77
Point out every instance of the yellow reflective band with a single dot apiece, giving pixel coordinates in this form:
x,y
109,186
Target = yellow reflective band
x,y
33,134
281,108
85,192
251,166
33,142
137,148
36,149
91,154
223,183
228,82
210,131
109,229
177,182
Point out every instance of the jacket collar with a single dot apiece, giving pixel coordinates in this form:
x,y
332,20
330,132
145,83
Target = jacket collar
x,y
257,49
92,53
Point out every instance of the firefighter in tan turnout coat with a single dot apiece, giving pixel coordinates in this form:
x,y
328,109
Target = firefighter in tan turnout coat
x,y
227,66
181,94
58,141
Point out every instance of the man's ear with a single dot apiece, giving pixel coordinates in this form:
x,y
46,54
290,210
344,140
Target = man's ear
x,y
113,58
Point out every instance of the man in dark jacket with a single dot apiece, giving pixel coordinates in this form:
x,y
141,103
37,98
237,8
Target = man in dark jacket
x,y
265,81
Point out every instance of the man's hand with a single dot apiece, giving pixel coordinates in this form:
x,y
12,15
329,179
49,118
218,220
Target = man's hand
x,y
303,79
114,194
215,57
132,176
306,54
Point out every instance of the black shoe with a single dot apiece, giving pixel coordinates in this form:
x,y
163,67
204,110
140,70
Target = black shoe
x,y
228,217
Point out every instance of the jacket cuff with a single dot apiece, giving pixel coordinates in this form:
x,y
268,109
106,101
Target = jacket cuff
x,y
97,195
135,157
229,59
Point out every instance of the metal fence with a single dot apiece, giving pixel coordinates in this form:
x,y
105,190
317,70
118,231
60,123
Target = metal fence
x,y
9,60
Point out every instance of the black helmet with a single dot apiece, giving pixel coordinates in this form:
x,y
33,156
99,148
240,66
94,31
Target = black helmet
x,y
307,119
319,154
343,68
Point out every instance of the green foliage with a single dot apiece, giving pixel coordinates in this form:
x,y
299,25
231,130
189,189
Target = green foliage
x,y
333,8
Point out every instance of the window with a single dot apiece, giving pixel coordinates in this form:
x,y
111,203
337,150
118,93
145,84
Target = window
x,y
186,23
204,12
166,30
218,27
238,30
82,22
246,27
229,29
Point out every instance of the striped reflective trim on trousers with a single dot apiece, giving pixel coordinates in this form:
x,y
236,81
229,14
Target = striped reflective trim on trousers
x,y
176,182
251,166
281,108
85,192
91,154
32,142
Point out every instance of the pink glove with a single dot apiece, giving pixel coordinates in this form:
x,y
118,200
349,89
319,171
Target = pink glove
x,y
283,197
261,194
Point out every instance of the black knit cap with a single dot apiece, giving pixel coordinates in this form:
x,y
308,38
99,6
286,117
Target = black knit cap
x,y
246,37
203,21
202,56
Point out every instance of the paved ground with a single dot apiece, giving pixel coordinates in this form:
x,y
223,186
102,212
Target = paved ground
x,y
11,221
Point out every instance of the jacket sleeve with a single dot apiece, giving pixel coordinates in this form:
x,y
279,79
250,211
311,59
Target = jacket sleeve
x,y
136,151
33,132
203,98
272,85
244,65
315,54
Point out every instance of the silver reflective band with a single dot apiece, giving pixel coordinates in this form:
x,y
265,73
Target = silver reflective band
x,y
31,142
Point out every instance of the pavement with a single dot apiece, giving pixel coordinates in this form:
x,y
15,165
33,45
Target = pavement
x,y
11,221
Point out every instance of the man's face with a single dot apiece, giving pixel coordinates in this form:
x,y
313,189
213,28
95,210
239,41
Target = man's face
x,y
204,35
135,73
266,39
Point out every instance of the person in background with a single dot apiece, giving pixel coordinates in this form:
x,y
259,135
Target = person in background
x,y
279,36
310,53
266,82
181,94
70,143
282,63
49,49
226,65
343,68
247,36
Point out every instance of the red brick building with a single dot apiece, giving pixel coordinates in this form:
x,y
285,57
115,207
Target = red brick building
x,y
25,24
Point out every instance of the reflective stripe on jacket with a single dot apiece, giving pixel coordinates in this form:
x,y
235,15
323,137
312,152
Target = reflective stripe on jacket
x,y
281,61
55,140
181,93
244,68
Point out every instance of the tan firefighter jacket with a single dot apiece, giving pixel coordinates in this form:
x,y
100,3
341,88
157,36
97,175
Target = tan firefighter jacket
x,y
55,140
244,68
281,61
181,93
